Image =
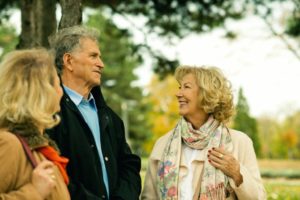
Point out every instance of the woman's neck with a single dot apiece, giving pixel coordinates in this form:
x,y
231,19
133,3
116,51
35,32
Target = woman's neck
x,y
197,120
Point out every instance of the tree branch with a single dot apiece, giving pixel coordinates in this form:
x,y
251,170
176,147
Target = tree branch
x,y
280,36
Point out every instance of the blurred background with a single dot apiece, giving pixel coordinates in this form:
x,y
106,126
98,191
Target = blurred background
x,y
254,42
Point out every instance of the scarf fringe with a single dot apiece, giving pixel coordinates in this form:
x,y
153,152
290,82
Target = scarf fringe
x,y
214,193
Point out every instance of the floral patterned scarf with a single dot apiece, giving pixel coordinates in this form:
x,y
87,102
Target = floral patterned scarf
x,y
213,181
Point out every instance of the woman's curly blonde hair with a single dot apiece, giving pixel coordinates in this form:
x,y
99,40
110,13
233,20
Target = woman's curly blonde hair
x,y
215,94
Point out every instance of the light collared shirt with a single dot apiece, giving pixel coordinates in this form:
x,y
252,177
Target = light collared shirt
x,y
186,191
88,109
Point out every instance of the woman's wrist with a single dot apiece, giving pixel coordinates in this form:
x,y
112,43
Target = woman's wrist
x,y
238,179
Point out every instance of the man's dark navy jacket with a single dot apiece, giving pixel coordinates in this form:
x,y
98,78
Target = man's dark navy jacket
x,y
76,142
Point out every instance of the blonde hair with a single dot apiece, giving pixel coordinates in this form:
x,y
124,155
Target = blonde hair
x,y
28,100
215,95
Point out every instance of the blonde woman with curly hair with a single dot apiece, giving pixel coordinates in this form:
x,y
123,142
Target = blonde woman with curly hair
x,y
30,93
201,158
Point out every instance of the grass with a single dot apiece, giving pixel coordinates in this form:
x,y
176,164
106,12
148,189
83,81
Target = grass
x,y
279,168
282,189
281,178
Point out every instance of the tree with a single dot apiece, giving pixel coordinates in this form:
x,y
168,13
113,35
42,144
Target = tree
x,y
291,135
38,22
164,111
71,13
120,94
290,141
245,123
281,138
268,130
8,39
264,9
166,18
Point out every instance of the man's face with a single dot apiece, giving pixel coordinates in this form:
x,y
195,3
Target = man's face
x,y
86,64
58,90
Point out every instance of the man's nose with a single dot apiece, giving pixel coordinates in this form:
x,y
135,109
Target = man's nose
x,y
100,63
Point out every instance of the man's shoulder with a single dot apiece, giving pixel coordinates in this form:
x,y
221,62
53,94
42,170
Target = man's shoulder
x,y
112,113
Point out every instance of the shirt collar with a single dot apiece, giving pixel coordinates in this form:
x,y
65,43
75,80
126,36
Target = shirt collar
x,y
78,98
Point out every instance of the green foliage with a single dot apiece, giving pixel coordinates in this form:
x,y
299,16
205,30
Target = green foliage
x,y
178,18
268,128
8,38
264,9
5,9
290,135
293,25
117,81
175,18
281,138
167,18
245,123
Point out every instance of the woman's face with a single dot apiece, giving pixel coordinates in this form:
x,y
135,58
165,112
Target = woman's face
x,y
59,91
187,96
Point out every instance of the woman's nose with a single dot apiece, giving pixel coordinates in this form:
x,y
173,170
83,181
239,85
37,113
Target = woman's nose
x,y
178,93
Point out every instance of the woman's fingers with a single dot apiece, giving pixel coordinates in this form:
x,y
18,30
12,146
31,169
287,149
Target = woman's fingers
x,y
224,161
217,155
43,178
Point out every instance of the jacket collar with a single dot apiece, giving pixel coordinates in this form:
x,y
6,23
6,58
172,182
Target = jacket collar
x,y
38,141
99,101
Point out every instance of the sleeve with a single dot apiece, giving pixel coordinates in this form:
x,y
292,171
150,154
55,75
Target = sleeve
x,y
149,189
252,187
129,166
11,158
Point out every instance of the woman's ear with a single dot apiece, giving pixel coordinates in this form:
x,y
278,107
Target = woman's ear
x,y
67,58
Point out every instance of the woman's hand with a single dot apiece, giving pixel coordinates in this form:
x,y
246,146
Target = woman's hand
x,y
43,178
224,161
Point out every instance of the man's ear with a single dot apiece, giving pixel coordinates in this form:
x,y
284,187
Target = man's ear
x,y
67,58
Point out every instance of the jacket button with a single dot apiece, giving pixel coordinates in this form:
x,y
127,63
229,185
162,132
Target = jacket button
x,y
92,146
106,158
103,196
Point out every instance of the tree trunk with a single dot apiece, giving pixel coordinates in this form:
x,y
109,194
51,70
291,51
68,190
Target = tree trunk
x,y
71,13
38,22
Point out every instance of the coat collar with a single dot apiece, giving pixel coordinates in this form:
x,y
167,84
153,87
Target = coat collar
x,y
99,101
97,95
